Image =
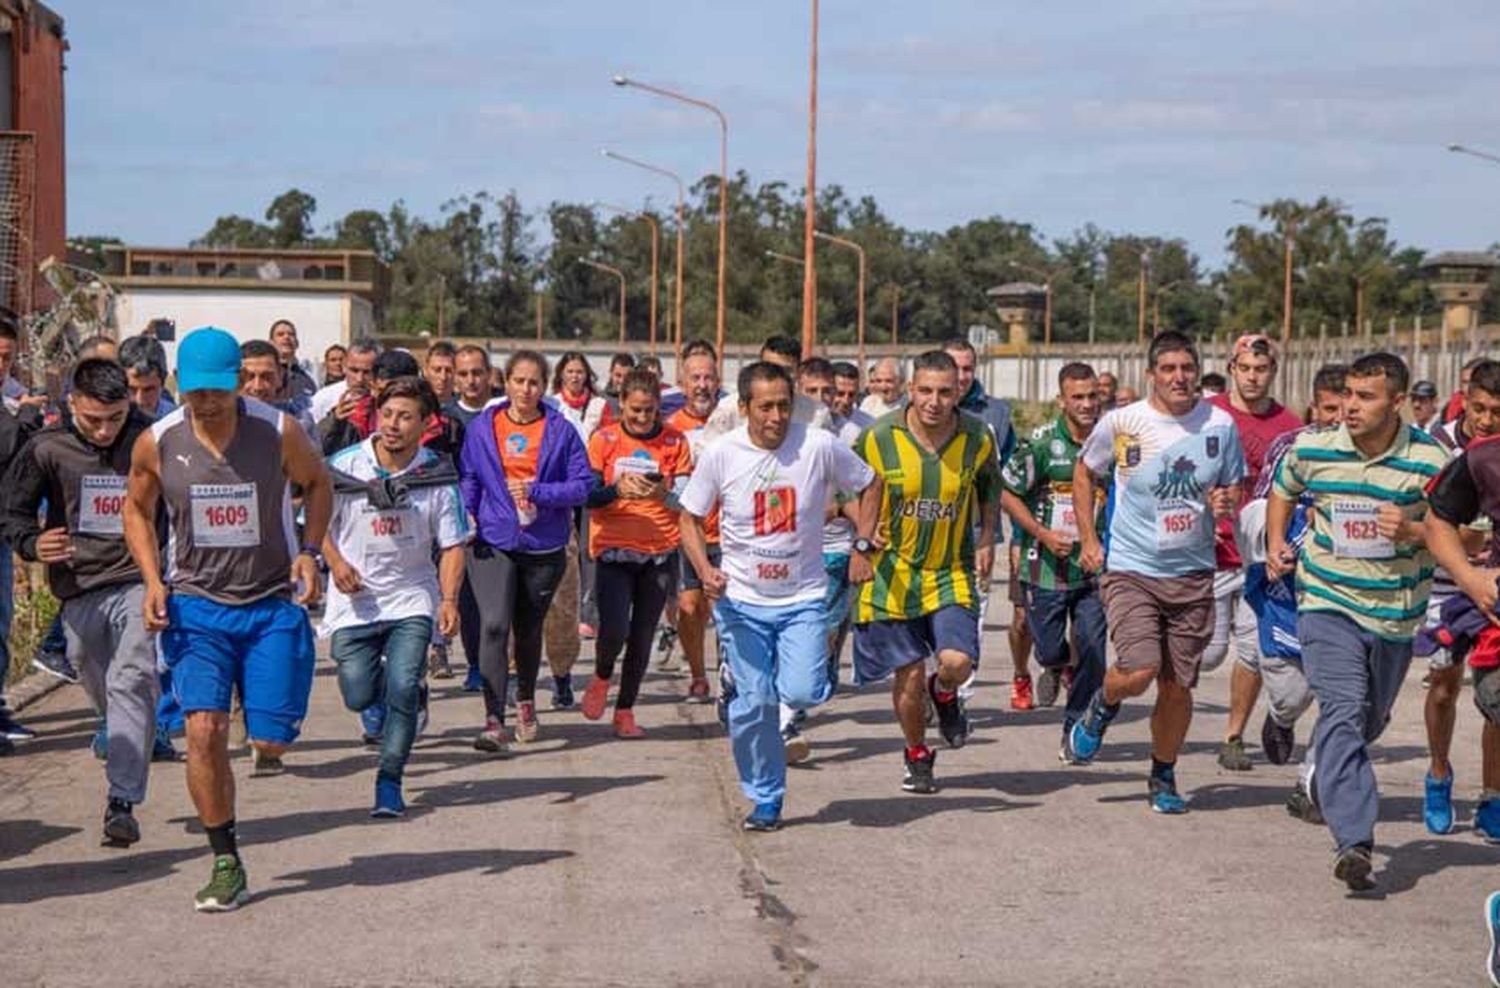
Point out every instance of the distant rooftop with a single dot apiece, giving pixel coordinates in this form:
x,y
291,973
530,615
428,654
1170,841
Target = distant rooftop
x,y
354,271
1016,289
1461,259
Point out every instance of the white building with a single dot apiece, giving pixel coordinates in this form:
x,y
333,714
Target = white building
x,y
331,296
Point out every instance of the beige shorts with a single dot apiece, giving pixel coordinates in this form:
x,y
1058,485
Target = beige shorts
x,y
1161,623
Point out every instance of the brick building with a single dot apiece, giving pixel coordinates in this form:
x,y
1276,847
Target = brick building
x,y
33,217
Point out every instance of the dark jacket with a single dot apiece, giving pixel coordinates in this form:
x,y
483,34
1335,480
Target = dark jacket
x,y
51,467
443,434
563,482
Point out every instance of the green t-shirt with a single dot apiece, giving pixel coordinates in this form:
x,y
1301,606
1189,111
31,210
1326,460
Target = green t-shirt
x,y
1040,473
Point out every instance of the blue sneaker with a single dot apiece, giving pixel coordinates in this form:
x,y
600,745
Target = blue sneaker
x,y
388,801
100,744
1487,819
1087,736
372,719
473,682
1437,803
765,817
1164,796
161,748
1492,920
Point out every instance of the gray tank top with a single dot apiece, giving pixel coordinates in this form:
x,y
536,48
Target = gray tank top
x,y
230,532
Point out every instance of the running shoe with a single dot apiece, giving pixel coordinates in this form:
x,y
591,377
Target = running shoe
x,y
1437,803
953,722
1162,789
55,664
1064,754
1301,805
120,828
226,890
1492,922
438,666
562,692
1020,693
372,721
100,744
626,727
493,738
797,748
7,746
666,648
586,630
424,714
388,801
527,727
698,691
595,698
1487,819
1087,736
1048,685
1352,866
12,729
263,765
765,818
727,693
918,777
1277,742
473,681
161,747
1232,755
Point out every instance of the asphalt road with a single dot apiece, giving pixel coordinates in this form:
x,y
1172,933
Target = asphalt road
x,y
590,861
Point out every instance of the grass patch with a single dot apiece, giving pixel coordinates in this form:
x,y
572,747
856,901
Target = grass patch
x,y
35,609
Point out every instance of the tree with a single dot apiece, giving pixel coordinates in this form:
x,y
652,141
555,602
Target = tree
x,y
290,215
365,229
236,231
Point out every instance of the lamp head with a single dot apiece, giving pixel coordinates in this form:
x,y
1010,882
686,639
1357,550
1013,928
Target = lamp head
x,y
620,80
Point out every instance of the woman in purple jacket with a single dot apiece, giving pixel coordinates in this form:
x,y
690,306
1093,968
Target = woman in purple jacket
x,y
522,471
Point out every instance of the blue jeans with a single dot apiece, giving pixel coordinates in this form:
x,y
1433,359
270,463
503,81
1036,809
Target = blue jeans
x,y
1048,613
776,655
836,607
365,681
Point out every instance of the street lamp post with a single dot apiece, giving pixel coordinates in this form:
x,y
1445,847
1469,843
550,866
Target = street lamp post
x,y
1289,224
1140,304
621,80
677,282
618,274
810,213
1473,153
859,307
1046,277
655,255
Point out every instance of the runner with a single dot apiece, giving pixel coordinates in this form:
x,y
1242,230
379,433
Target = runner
x,y
439,368
1259,420
1061,597
885,388
356,419
333,364
1479,420
1108,386
846,391
1173,460
771,479
633,539
784,352
700,385
1424,407
523,470
1362,585
471,383
403,502
299,383
78,468
145,363
917,559
471,393
359,371
619,365
222,465
262,377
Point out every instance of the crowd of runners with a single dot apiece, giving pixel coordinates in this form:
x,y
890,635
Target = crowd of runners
x,y
415,511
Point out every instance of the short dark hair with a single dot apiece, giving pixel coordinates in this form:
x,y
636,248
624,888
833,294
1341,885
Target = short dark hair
x,y
1330,377
1075,370
782,346
337,346
1170,341
1382,364
10,328
651,364
1472,363
1485,376
365,344
618,360
958,344
442,348
642,380
473,348
91,343
252,349
693,347
280,322
572,356
762,370
843,368
527,357
934,360
815,367
145,355
101,379
409,386
1213,379
396,363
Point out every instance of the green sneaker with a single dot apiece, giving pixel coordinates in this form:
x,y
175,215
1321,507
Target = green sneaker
x,y
227,890
1233,757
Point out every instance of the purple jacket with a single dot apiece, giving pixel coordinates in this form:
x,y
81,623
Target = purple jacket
x,y
562,484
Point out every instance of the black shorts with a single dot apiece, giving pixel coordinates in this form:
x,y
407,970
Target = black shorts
x,y
689,577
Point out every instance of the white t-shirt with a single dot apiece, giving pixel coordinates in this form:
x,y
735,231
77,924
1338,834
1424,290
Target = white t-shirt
x,y
324,399
772,503
726,417
392,550
876,406
838,534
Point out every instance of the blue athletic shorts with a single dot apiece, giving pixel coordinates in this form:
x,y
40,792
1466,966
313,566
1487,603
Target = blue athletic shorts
x,y
265,649
882,647
836,597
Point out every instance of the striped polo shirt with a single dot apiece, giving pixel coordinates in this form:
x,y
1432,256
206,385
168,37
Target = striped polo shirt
x,y
1342,568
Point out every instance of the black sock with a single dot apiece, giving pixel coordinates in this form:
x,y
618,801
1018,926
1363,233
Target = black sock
x,y
222,839
1161,769
120,805
1107,709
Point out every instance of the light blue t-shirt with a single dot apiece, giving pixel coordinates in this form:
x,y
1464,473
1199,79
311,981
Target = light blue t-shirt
x,y
1163,468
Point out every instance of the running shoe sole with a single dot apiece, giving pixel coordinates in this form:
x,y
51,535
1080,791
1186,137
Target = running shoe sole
x,y
120,831
1048,686
240,898
387,813
797,749
1353,869
491,746
40,666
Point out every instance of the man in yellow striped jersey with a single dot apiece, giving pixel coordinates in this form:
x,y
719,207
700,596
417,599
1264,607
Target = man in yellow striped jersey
x,y
916,556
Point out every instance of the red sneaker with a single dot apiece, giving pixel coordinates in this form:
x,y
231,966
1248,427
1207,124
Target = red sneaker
x,y
595,698
1020,693
625,725
527,727
585,630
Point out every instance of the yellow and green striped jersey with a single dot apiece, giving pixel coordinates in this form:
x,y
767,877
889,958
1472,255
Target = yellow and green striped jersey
x,y
1386,595
930,504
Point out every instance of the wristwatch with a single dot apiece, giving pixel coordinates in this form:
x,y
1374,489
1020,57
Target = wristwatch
x,y
863,546
313,551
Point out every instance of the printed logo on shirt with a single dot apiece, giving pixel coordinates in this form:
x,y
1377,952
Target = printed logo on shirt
x,y
1127,451
929,509
776,511
1211,446
1179,479
515,444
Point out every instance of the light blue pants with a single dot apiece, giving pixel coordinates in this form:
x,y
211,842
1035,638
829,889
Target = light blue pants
x,y
776,655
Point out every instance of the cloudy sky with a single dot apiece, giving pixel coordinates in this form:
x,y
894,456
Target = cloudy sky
x,y
1138,115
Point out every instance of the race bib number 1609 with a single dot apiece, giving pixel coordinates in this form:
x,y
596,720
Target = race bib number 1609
x,y
225,516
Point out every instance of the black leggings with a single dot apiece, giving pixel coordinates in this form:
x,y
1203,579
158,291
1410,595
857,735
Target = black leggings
x,y
513,590
630,597
468,616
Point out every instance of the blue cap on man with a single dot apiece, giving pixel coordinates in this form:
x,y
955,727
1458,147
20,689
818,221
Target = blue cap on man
x,y
208,359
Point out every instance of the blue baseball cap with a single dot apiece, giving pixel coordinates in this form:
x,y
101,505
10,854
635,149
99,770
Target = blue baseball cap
x,y
208,359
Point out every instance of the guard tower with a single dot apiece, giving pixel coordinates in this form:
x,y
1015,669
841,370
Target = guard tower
x,y
1019,305
1460,280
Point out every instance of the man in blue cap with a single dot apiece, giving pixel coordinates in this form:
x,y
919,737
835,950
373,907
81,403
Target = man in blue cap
x,y
223,465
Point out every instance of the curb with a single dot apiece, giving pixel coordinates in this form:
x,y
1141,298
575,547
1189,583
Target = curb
x,y
31,689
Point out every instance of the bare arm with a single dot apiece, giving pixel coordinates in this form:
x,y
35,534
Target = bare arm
x,y
1092,557
304,467
142,494
866,526
695,547
450,580
1279,559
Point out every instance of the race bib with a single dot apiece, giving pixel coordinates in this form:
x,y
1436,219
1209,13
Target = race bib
x,y
225,516
1356,531
101,504
388,533
636,464
1179,524
771,576
1063,518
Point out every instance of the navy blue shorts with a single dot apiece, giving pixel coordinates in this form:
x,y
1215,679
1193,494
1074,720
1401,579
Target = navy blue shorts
x,y
882,647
